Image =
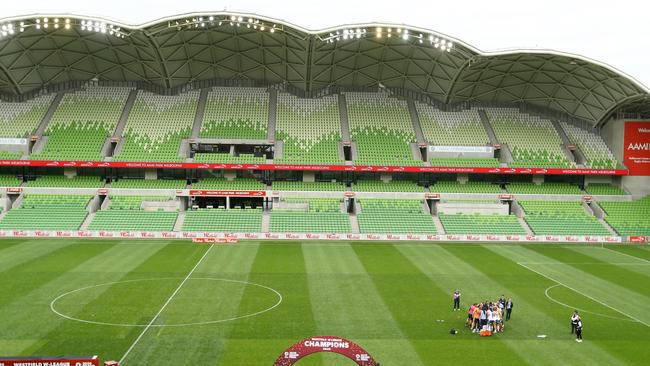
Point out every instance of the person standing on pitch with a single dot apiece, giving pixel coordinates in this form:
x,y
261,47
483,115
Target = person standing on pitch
x,y
574,321
579,330
457,300
509,306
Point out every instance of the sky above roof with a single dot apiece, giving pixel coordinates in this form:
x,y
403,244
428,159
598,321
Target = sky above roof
x,y
611,32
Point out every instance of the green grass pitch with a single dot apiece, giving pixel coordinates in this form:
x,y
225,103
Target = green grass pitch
x,y
244,304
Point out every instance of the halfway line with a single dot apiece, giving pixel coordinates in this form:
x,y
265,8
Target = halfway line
x,y
164,306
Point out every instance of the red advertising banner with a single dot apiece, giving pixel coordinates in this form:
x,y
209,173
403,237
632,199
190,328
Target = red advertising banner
x,y
350,168
46,361
636,149
338,345
232,193
637,239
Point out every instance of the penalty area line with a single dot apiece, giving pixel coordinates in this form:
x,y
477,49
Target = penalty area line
x,y
585,295
164,306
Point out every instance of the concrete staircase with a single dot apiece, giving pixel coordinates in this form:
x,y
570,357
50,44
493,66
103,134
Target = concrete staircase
x,y
524,224
200,112
576,156
415,120
89,218
180,219
343,114
273,107
130,101
488,127
266,221
438,224
354,224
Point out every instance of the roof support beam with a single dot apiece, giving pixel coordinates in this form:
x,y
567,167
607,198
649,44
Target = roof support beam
x,y
462,68
600,122
160,59
14,85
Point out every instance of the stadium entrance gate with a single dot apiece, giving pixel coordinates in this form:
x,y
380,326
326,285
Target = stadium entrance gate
x,y
332,344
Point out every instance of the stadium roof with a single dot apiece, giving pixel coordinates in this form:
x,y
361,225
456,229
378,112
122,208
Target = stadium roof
x,y
41,50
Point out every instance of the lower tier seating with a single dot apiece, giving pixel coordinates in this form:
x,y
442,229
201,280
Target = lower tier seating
x,y
394,217
47,212
392,186
545,188
133,220
322,216
561,218
60,181
443,186
308,186
481,224
150,183
628,218
221,220
604,189
9,181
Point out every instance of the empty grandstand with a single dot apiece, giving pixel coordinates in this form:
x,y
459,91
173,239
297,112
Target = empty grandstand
x,y
310,130
136,213
47,212
628,218
395,217
236,113
561,218
221,220
315,215
22,119
156,126
382,129
593,146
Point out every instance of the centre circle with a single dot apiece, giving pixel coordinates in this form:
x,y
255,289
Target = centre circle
x,y
133,303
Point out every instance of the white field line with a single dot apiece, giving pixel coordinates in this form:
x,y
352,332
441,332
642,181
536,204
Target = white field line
x,y
583,310
588,263
585,295
645,261
164,306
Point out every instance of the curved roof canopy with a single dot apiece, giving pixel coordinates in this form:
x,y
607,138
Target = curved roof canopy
x,y
42,50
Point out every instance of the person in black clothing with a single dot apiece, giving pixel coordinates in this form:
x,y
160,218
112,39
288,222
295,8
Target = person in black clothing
x,y
574,321
579,330
509,306
457,300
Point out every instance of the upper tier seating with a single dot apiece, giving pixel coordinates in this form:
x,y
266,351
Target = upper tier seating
x,y
308,186
391,186
310,130
533,141
65,182
462,128
221,220
236,113
156,126
82,123
381,128
22,119
481,224
545,188
9,181
592,146
150,183
628,218
242,184
394,217
443,186
323,216
126,213
604,189
561,218
47,212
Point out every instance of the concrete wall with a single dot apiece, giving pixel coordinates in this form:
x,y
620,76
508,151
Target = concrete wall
x,y
613,132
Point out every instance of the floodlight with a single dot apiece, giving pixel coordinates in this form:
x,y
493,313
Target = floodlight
x,y
405,36
232,17
240,19
67,21
378,29
262,28
45,20
443,47
399,30
38,20
56,25
38,26
211,18
45,25
272,30
56,20
250,20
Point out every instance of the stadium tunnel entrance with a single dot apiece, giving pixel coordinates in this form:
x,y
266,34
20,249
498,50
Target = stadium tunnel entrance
x,y
226,202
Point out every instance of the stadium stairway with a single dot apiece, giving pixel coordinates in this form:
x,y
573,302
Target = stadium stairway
x,y
600,214
273,108
180,220
488,127
415,120
266,221
89,218
354,223
577,155
130,101
345,123
440,229
200,112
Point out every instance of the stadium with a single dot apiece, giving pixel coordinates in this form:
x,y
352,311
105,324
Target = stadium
x,y
227,188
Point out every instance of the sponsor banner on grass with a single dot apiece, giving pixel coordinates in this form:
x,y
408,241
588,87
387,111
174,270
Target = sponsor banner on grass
x,y
357,168
210,236
50,361
636,149
332,344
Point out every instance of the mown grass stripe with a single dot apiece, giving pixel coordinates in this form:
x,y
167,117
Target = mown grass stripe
x,y
339,284
624,276
616,260
18,257
636,251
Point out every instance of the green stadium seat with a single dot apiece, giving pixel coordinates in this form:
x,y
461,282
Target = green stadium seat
x,y
394,217
628,218
323,215
47,212
561,218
